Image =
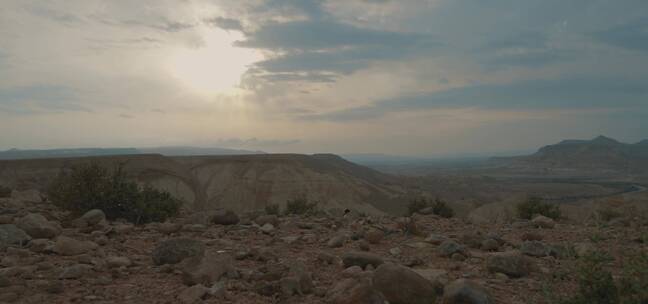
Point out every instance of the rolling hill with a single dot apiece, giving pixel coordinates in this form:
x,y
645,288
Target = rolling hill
x,y
237,182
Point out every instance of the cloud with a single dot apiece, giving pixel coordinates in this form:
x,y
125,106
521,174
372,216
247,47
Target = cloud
x,y
256,143
576,93
225,23
632,36
319,46
39,99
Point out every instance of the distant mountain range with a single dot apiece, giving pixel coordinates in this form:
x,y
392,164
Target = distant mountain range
x,y
600,152
85,152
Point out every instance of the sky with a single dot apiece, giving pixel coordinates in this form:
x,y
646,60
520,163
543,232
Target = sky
x,y
417,77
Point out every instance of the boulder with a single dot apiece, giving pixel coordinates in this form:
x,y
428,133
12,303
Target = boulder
x,y
490,245
542,221
450,247
193,294
117,261
38,227
224,217
75,271
511,263
173,251
463,291
374,236
437,277
354,291
267,228
10,235
361,259
401,285
93,217
68,246
336,241
205,269
168,228
267,219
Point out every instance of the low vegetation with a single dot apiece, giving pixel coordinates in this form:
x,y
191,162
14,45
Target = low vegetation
x,y
5,191
272,209
439,207
300,206
92,186
597,285
535,206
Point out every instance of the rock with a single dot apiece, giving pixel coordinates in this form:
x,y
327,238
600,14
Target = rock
x,y
193,294
41,245
426,211
435,239
534,249
363,245
303,278
395,251
511,263
361,259
542,221
54,287
205,269
531,236
290,286
75,271
38,227
437,277
326,258
352,272
267,228
463,291
490,245
354,291
10,235
450,247
336,241
116,262
472,239
69,246
173,251
267,219
374,236
93,217
168,228
218,291
458,257
561,251
122,229
401,285
224,217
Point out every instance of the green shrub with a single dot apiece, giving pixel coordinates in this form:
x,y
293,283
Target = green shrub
x,y
417,204
300,206
633,285
272,209
439,207
534,206
91,186
442,209
5,191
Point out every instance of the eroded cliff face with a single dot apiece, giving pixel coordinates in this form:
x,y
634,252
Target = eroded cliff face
x,y
240,183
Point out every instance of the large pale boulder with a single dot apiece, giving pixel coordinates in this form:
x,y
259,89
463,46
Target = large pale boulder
x,y
401,285
68,246
38,227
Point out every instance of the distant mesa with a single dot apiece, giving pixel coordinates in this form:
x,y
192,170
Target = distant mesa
x,y
89,152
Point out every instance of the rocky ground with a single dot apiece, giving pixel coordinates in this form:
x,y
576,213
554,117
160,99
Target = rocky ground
x,y
47,256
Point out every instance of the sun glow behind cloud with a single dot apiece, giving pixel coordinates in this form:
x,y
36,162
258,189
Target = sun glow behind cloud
x,y
215,67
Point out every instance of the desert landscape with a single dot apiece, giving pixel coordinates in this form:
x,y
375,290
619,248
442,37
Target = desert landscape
x,y
324,151
361,241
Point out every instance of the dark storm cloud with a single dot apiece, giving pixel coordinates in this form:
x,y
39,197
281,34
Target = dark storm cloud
x,y
574,93
632,36
38,99
328,46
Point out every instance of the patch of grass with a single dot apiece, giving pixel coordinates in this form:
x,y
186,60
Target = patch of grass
x,y
300,206
534,206
5,191
272,209
92,186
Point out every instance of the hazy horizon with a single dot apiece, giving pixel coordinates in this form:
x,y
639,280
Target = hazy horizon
x,y
418,78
